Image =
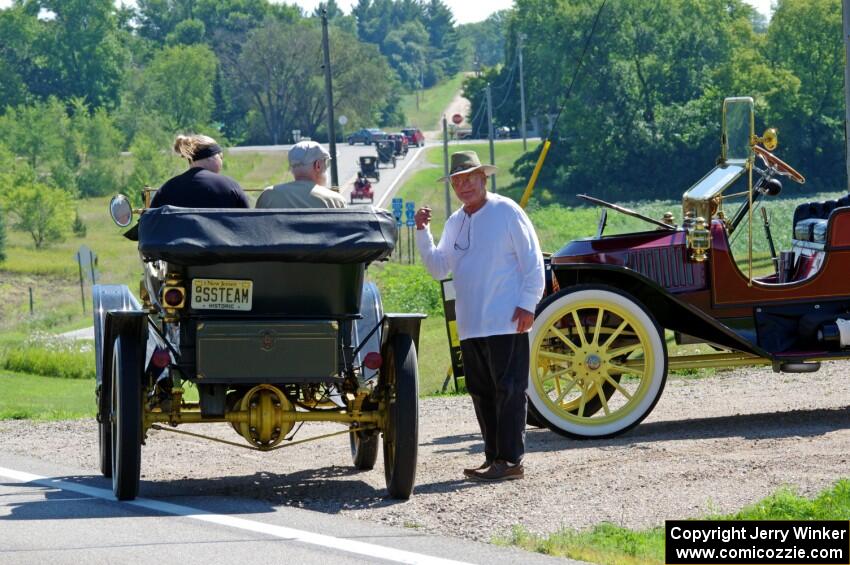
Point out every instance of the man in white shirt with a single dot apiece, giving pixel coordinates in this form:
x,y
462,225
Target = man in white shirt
x,y
308,162
491,249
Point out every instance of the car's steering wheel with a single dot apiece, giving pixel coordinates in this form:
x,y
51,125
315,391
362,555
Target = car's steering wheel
x,y
777,165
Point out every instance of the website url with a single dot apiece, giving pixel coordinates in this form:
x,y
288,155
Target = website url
x,y
709,553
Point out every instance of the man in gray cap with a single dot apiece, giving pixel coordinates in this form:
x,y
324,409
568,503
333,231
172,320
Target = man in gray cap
x,y
308,162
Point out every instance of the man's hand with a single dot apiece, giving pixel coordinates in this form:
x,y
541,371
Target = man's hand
x,y
423,217
523,319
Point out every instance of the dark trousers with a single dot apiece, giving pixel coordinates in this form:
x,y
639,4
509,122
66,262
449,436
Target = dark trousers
x,y
496,370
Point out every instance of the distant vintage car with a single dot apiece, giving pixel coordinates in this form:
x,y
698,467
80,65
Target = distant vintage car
x,y
400,144
366,136
599,358
265,314
386,152
415,137
368,165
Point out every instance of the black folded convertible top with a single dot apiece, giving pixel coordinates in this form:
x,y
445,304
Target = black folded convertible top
x,y
206,236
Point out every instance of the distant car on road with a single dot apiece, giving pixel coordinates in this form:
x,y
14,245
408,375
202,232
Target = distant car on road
x,y
401,144
366,136
415,137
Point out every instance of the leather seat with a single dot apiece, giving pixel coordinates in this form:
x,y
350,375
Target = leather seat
x,y
810,219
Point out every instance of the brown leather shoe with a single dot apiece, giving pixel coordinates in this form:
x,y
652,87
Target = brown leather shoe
x,y
499,471
472,470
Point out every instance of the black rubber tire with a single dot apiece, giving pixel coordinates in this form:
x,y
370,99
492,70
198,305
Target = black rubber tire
x,y
104,441
532,417
364,449
126,419
401,438
104,407
377,176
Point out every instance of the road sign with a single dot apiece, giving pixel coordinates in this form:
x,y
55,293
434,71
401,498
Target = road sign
x,y
398,203
411,222
457,118
343,120
410,205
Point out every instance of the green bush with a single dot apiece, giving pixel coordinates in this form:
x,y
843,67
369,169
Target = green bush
x,y
407,288
79,226
66,362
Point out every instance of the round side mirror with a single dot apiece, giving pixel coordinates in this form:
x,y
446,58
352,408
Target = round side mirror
x,y
121,210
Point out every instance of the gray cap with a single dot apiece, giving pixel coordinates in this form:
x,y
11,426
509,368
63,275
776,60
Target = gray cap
x,y
307,153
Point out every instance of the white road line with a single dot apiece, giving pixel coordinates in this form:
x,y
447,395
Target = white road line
x,y
301,536
389,191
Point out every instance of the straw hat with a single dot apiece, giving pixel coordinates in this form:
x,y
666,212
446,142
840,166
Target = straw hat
x,y
465,162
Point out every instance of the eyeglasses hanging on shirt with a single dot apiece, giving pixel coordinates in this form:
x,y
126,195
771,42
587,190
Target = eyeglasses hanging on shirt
x,y
462,242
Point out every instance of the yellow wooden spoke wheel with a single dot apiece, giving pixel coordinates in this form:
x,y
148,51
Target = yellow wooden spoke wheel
x,y
598,362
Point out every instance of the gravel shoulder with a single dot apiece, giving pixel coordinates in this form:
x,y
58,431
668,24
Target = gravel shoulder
x,y
711,445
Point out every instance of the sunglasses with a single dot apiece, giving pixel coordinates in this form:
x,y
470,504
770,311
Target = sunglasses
x,y
460,246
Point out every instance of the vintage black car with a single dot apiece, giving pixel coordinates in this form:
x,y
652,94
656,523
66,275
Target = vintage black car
x,y
369,167
386,152
268,315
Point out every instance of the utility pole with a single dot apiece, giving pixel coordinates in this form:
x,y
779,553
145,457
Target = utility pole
x,y
490,135
446,165
520,39
846,17
329,98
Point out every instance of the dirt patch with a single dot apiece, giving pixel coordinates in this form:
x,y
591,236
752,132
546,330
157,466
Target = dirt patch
x,y
711,445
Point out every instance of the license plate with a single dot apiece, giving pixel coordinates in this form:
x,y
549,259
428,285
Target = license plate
x,y
222,294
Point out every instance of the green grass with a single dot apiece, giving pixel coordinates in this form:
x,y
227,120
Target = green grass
x,y
34,397
259,169
432,102
67,360
610,544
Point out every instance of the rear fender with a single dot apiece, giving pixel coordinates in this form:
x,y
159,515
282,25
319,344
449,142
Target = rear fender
x,y
401,324
106,298
670,312
116,311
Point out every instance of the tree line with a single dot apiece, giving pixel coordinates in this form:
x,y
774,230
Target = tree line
x,y
83,80
644,115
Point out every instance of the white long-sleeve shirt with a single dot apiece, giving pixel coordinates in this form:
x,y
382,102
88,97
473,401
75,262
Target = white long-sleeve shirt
x,y
495,259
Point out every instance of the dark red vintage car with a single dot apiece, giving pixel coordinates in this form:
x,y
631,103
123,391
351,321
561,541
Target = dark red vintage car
x,y
598,346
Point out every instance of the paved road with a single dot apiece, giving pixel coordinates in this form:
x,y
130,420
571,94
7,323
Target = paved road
x,y
57,515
